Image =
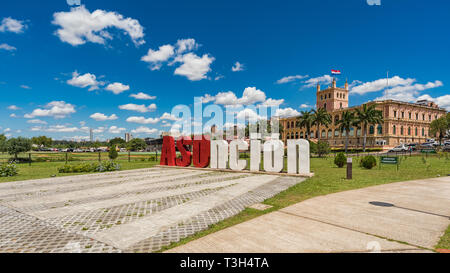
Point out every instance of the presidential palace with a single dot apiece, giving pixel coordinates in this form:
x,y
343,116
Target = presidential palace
x,y
403,122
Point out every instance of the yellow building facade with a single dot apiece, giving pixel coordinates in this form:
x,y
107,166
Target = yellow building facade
x,y
404,122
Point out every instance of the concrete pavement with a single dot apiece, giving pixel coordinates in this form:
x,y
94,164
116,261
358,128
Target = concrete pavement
x,y
401,217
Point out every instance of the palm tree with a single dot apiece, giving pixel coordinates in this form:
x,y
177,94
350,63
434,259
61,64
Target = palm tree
x,y
345,124
368,115
305,121
320,117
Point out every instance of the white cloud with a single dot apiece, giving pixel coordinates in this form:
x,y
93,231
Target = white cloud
x,y
83,81
79,26
167,116
143,120
55,129
13,115
286,113
157,57
55,109
312,82
116,130
7,130
194,67
144,130
103,117
138,108
23,86
251,96
304,105
7,47
237,67
36,121
117,88
272,102
13,107
248,114
380,84
442,101
12,25
185,45
291,79
142,96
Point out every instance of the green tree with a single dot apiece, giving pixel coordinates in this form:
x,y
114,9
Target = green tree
x,y
321,117
113,152
368,115
118,142
136,144
15,146
306,121
345,124
439,127
42,141
3,143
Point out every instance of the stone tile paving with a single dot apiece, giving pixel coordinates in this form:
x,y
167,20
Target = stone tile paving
x,y
74,231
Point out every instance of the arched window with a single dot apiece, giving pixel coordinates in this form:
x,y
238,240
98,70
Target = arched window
x,y
358,132
336,119
394,130
352,131
336,133
380,130
409,131
344,133
371,130
401,130
423,131
324,134
341,105
416,132
301,134
312,134
325,106
330,134
296,135
288,125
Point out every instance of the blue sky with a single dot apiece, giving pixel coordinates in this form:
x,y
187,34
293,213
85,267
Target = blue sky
x,y
61,64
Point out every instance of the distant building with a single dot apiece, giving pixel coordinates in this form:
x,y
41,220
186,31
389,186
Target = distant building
x,y
128,137
91,135
154,145
403,122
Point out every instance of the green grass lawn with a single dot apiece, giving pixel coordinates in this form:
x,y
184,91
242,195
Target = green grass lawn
x,y
49,169
330,179
444,243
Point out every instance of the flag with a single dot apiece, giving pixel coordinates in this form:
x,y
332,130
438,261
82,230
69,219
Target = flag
x,y
336,72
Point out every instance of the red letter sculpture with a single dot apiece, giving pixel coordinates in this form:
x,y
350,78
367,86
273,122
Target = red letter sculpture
x,y
168,154
185,159
202,154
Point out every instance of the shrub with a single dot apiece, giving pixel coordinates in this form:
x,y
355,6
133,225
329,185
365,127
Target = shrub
x,y
323,148
113,153
313,147
368,162
107,166
7,170
340,160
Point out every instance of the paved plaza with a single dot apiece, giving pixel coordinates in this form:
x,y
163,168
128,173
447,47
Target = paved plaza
x,y
401,217
128,211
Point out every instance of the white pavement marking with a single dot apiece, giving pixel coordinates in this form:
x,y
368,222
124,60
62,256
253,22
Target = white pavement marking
x,y
344,222
96,192
58,212
127,235
86,182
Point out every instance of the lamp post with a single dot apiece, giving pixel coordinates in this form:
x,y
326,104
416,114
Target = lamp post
x,y
349,168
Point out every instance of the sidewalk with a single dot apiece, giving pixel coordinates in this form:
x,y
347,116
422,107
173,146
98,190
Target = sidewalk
x,y
401,217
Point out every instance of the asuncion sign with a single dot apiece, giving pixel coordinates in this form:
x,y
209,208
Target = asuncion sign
x,y
221,154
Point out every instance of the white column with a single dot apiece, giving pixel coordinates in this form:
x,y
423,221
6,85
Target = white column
x,y
273,156
298,160
235,147
219,154
255,155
